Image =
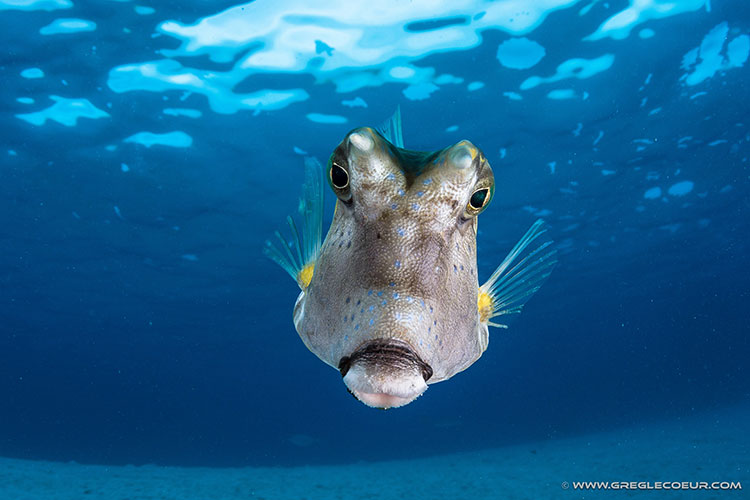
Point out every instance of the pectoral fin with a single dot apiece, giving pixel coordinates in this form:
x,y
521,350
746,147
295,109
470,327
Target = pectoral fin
x,y
518,277
297,256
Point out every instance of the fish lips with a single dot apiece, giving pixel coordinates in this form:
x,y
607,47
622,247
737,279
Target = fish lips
x,y
385,373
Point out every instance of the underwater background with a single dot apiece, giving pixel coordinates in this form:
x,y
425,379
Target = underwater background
x,y
148,149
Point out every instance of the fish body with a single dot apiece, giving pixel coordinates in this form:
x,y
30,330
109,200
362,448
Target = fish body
x,y
391,297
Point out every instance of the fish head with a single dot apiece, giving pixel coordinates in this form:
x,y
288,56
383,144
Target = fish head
x,y
393,300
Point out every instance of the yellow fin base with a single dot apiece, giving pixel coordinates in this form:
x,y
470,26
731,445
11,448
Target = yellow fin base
x,y
485,306
304,277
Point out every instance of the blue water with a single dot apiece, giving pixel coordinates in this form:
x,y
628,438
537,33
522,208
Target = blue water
x,y
148,150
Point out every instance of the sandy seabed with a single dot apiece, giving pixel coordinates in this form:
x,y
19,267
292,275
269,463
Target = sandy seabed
x,y
707,447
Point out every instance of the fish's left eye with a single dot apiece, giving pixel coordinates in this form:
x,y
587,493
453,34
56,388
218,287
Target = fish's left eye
x,y
479,198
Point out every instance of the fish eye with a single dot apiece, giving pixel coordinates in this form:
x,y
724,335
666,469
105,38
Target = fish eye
x,y
479,198
339,176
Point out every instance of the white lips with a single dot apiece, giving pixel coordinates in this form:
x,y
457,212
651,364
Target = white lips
x,y
380,389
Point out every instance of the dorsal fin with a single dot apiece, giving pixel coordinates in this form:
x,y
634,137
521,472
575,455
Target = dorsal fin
x,y
391,129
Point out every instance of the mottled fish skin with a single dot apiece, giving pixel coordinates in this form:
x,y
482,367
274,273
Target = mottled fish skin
x,y
399,261
391,298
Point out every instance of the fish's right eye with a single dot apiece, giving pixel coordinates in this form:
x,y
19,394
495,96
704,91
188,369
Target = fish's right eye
x,y
338,175
338,178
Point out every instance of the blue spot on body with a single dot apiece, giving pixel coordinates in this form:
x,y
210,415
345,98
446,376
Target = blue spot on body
x,y
400,192
422,302
420,194
391,284
427,182
346,337
395,295
369,292
400,231
397,264
380,294
371,308
391,177
415,206
372,322
356,327
408,299
384,302
394,206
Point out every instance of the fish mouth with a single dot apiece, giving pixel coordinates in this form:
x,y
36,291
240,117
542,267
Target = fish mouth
x,y
385,373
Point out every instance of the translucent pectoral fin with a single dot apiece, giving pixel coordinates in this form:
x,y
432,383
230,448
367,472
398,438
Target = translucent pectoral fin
x,y
391,129
298,254
518,277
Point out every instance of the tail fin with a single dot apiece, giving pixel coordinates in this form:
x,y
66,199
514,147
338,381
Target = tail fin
x,y
391,129
518,277
297,256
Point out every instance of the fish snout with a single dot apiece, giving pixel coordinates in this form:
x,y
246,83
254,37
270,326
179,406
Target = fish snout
x,y
385,373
